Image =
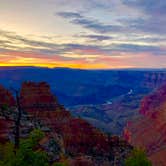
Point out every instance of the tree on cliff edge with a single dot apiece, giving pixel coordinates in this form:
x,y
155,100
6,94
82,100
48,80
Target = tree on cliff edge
x,y
14,114
17,119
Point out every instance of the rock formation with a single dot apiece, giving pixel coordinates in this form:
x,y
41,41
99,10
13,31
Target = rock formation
x,y
6,97
37,97
6,100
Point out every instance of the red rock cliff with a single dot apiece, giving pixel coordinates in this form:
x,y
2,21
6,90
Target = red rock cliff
x,y
37,97
6,99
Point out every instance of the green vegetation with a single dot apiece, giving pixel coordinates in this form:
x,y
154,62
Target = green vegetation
x,y
137,158
60,164
26,155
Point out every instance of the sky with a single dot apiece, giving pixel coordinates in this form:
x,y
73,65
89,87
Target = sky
x,y
86,34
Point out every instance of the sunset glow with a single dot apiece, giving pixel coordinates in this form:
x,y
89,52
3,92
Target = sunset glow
x,y
60,33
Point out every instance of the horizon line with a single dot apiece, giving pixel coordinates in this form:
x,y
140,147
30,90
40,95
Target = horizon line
x,y
125,68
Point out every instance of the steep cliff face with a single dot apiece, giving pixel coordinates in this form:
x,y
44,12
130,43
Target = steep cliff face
x,y
37,97
6,97
149,130
6,100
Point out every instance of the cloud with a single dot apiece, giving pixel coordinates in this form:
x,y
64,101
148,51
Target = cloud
x,y
152,7
87,56
140,48
27,47
89,23
13,42
85,5
155,13
151,15
107,31
69,15
95,37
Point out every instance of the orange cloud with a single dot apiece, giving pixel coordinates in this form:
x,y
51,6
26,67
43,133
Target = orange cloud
x,y
32,59
127,60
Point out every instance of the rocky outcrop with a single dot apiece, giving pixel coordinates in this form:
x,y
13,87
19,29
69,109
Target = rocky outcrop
x,y
37,97
148,131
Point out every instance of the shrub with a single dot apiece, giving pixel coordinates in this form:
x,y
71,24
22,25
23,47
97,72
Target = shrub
x,y
137,158
26,155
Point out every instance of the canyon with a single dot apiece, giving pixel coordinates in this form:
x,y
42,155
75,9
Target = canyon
x,y
73,137
148,130
105,98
